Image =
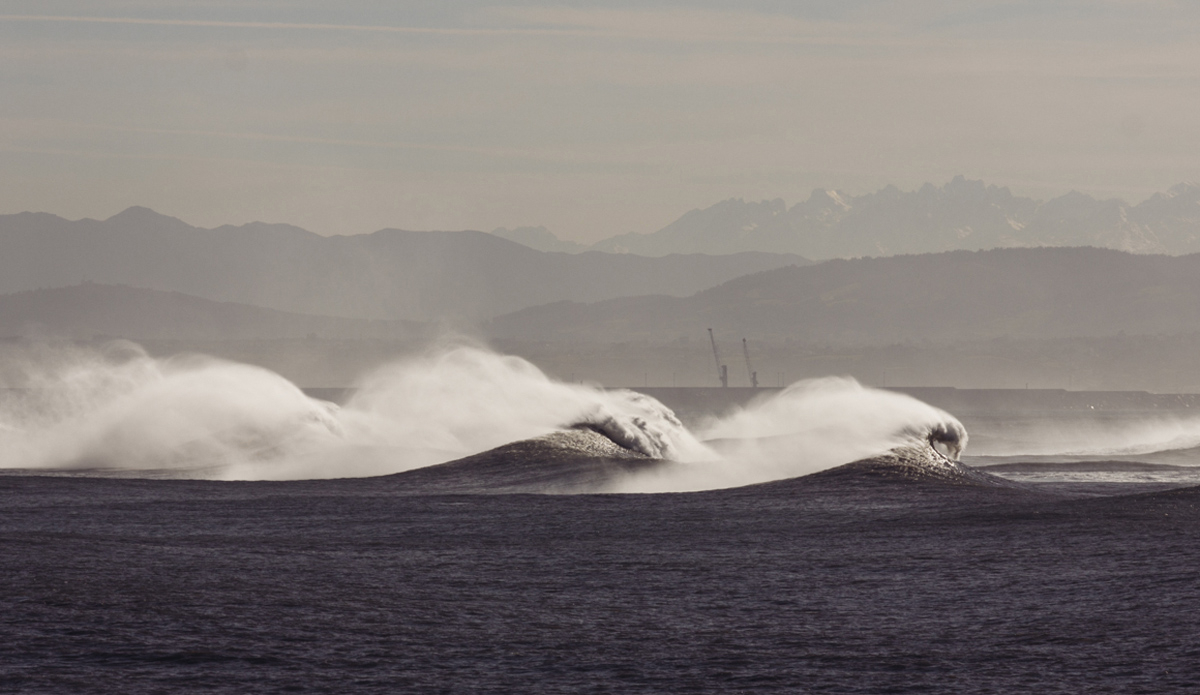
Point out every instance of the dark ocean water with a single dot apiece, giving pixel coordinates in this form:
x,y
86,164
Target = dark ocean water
x,y
851,581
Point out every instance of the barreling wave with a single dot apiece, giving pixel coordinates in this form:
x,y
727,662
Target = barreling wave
x,y
641,424
810,426
947,438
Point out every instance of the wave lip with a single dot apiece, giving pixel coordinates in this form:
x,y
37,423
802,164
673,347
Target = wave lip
x,y
947,437
638,423
584,460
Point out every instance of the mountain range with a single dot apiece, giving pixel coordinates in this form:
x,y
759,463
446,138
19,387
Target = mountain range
x,y
89,310
539,238
960,295
1002,294
961,215
388,275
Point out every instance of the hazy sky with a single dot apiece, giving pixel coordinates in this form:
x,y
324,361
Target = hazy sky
x,y
590,118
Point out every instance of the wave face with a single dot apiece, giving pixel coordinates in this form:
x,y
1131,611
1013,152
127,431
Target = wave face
x,y
503,423
916,464
584,460
574,461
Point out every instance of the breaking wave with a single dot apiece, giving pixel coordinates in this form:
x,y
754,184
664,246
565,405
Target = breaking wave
x,y
119,411
810,426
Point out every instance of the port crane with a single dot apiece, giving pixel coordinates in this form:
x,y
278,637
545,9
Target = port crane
x,y
722,370
750,373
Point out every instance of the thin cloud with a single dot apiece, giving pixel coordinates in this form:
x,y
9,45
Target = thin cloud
x,y
604,157
271,137
744,28
436,31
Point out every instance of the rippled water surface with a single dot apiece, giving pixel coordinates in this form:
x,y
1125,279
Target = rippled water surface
x,y
843,585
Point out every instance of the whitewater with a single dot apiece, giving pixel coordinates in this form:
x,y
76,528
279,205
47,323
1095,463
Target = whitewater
x,y
119,411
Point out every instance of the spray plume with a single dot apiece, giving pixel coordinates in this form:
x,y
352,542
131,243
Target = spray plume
x,y
1093,435
808,427
118,410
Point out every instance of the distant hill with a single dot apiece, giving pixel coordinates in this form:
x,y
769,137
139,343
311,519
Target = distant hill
x,y
89,310
960,215
539,238
960,295
391,274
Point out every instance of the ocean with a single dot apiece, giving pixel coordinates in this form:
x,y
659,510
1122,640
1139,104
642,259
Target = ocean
x,y
626,550
854,583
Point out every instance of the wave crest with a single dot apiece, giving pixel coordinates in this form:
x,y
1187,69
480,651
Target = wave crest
x,y
639,423
947,437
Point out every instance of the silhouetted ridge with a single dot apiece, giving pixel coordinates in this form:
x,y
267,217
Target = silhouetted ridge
x,y
91,309
1045,293
962,214
138,215
389,274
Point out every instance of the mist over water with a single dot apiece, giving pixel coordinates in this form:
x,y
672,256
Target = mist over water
x,y
1094,436
118,410
808,427
457,401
